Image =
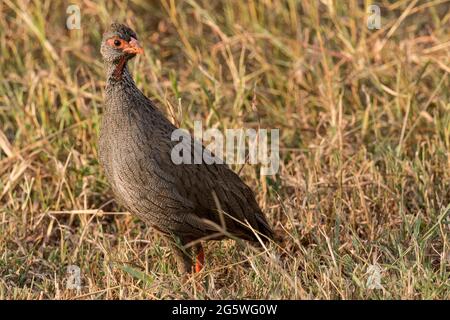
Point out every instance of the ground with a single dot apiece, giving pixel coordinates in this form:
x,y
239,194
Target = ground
x,y
362,193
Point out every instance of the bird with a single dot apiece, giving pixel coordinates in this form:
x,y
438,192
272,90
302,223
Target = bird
x,y
186,203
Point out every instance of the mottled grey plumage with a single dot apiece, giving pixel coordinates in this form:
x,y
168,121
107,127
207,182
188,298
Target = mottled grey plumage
x,y
178,200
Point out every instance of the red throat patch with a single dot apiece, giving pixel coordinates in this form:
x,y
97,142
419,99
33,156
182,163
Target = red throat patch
x,y
118,71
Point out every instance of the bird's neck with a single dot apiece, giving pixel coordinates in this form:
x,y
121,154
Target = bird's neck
x,y
117,74
121,92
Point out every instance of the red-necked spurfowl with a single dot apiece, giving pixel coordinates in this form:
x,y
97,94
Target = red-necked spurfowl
x,y
182,201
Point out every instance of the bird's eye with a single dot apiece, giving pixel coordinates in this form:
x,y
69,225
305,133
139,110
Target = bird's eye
x,y
117,43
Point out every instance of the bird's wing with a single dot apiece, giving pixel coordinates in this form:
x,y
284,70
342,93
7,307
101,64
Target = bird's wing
x,y
221,197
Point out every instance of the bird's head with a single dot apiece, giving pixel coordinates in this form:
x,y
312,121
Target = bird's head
x,y
120,44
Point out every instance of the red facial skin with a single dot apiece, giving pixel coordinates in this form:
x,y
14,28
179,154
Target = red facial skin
x,y
131,47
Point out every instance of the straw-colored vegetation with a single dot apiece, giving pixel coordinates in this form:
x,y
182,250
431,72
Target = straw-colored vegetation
x,y
364,119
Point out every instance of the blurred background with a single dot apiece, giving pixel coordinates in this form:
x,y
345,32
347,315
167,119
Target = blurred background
x,y
363,114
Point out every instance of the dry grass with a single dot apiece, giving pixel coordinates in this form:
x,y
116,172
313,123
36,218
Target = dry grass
x,y
364,131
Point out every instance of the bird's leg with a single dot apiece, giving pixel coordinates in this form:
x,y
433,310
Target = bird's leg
x,y
182,256
199,258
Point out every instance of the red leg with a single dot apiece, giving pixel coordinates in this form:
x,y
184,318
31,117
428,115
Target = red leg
x,y
200,259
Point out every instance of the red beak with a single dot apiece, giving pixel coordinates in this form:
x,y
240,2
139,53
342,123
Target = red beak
x,y
134,47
